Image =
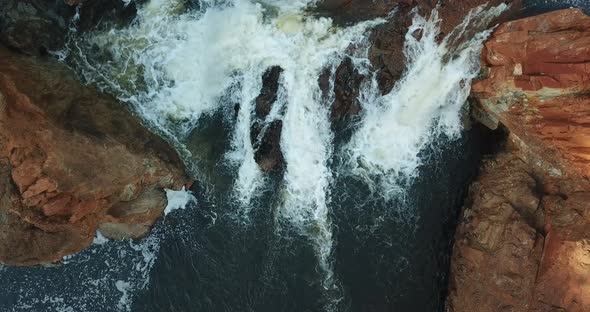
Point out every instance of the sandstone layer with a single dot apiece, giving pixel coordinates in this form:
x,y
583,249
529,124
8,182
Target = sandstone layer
x,y
523,242
72,160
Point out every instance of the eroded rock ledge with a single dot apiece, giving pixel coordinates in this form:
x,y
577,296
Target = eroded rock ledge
x,y
72,161
523,243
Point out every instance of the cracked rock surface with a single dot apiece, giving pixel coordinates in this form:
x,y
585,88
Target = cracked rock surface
x,y
72,161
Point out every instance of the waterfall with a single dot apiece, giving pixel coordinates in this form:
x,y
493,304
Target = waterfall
x,y
425,104
175,66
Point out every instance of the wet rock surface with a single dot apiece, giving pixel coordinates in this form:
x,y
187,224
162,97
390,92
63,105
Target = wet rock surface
x,y
72,161
265,133
39,27
386,56
36,26
347,84
522,244
268,94
266,140
386,53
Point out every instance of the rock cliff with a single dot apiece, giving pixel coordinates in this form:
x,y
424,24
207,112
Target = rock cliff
x,y
523,239
72,160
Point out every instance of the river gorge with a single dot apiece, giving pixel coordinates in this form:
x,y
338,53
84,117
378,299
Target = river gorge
x,y
275,155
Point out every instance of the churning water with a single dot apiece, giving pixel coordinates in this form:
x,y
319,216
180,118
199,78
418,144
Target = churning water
x,y
181,67
426,103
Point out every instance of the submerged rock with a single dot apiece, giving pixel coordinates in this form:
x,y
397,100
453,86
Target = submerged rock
x,y
37,27
524,241
34,26
72,160
95,12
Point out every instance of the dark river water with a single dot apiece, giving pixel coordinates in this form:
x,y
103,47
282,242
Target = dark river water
x,y
388,255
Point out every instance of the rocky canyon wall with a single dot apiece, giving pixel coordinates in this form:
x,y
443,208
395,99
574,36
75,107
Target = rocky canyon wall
x,y
72,160
523,241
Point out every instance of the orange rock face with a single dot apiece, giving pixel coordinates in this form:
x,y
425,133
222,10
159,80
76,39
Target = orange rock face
x,y
538,76
523,243
72,160
497,249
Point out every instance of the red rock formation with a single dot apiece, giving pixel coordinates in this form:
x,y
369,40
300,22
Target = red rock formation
x,y
538,74
72,160
497,250
523,243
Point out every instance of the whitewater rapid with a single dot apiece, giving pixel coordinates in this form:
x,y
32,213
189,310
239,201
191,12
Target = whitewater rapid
x,y
424,105
176,65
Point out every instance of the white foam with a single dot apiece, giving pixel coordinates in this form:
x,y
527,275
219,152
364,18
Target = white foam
x,y
189,61
124,302
178,200
100,239
95,272
424,104
176,66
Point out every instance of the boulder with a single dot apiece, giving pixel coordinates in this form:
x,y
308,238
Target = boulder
x,y
522,243
34,27
269,92
534,84
72,161
266,141
265,133
347,84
